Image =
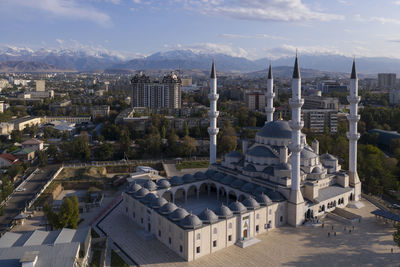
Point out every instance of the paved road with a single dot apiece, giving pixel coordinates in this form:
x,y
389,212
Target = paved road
x,y
18,200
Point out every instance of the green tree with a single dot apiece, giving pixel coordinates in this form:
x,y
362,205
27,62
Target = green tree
x,y
68,216
188,146
104,152
227,139
16,136
42,158
8,187
186,129
396,235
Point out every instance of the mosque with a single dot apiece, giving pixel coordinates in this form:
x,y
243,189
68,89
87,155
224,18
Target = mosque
x,y
277,179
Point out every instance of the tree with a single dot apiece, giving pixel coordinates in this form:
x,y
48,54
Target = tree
x,y
396,235
16,136
188,145
68,216
79,148
8,187
186,129
104,152
227,139
42,158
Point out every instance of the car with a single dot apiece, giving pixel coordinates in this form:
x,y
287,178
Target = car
x,y
20,189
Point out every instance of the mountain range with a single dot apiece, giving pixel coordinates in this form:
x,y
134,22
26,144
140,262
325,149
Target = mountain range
x,y
83,60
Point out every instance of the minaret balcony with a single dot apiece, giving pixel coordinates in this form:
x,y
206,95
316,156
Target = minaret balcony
x,y
353,118
269,110
213,97
296,103
213,114
296,125
213,131
353,99
353,136
270,95
295,147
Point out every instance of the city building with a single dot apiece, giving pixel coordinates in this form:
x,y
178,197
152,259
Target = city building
x,y
328,86
40,85
102,111
255,100
22,123
33,143
65,247
277,179
319,102
386,80
3,84
320,120
6,160
155,94
6,128
394,96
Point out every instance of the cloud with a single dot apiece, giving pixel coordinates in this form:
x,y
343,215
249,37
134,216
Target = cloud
x,y
261,10
255,36
286,50
381,20
65,8
210,48
396,3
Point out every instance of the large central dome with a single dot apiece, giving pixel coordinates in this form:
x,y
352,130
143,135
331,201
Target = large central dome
x,y
276,129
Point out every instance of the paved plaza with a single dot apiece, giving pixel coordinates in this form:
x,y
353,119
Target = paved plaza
x,y
369,244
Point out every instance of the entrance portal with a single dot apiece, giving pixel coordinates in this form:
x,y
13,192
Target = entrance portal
x,y
245,233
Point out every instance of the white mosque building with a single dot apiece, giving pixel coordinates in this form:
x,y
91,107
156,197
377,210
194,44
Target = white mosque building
x,y
277,179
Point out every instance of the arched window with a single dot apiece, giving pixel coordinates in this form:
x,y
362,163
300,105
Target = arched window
x,y
215,231
198,236
229,226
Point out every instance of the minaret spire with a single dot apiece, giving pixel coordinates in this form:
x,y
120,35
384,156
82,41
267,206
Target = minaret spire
x,y
296,201
353,135
213,114
269,110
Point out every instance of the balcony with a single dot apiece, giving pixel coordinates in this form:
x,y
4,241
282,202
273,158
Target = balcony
x,y
296,103
353,99
213,97
213,114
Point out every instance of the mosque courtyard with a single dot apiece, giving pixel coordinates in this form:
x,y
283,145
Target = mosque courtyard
x,y
369,244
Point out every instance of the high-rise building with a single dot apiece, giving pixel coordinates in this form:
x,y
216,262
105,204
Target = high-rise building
x,y
328,86
255,100
386,80
40,85
155,94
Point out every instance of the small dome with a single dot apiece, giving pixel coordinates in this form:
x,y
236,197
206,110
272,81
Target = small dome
x,y
251,203
227,179
209,173
234,154
317,170
263,199
149,184
237,207
163,183
149,198
178,214
261,151
168,208
276,129
191,221
284,166
269,170
307,153
208,216
328,157
134,187
217,176
141,193
238,183
188,178
175,180
249,168
200,176
224,212
158,202
248,187
275,196
260,190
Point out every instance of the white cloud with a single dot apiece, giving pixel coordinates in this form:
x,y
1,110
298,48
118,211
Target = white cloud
x,y
396,3
255,36
210,48
60,41
263,10
290,50
137,1
65,8
381,20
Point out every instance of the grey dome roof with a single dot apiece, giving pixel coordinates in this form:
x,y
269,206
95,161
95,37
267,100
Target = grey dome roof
x,y
149,198
163,183
158,202
307,153
134,187
149,184
263,199
275,196
269,170
261,151
234,154
227,179
175,180
224,212
200,176
209,173
317,170
251,203
328,156
249,168
168,208
191,221
276,129
141,193
217,176
208,216
178,214
284,166
188,178
260,190
237,207
238,183
248,187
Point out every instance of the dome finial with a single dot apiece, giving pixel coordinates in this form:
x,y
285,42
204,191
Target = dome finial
x,y
280,116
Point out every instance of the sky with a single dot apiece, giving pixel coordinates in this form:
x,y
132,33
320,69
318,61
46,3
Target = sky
x,y
246,28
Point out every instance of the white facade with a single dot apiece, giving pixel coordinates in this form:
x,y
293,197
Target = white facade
x,y
40,85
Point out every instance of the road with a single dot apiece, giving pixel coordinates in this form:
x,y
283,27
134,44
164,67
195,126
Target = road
x,y
18,200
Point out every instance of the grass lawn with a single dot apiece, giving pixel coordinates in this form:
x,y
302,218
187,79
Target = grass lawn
x,y
117,261
193,164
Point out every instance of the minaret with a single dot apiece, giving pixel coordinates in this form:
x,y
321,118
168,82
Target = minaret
x,y
296,201
270,96
353,135
213,114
